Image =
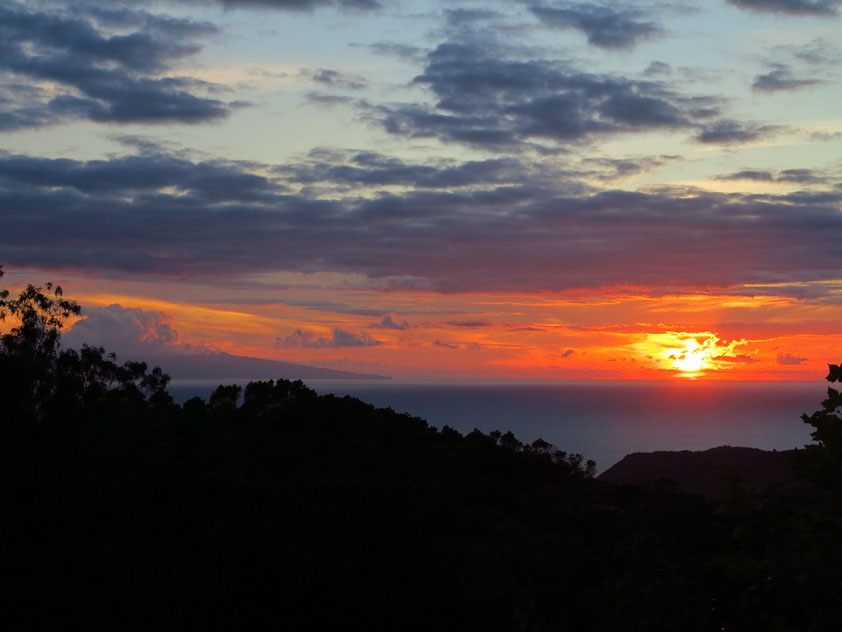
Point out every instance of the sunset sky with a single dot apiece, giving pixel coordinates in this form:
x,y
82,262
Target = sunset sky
x,y
434,189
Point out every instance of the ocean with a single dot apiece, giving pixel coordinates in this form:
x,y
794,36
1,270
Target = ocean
x,y
601,420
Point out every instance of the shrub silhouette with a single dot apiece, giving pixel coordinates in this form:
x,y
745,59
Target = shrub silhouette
x,y
822,461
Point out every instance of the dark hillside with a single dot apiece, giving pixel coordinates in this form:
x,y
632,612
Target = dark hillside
x,y
272,507
709,473
296,505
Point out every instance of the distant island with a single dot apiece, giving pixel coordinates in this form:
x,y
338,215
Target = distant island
x,y
226,366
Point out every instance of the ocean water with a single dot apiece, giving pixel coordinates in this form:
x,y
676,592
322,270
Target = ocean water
x,y
603,421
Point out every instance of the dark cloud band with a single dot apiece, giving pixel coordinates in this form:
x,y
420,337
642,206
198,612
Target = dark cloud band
x,y
60,213
792,7
505,104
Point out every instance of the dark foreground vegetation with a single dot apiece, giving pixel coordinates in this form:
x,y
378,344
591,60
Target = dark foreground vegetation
x,y
273,507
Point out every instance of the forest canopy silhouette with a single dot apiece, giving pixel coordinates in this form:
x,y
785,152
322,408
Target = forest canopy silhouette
x,y
269,505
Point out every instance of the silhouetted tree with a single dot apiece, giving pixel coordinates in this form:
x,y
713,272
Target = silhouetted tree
x,y
39,380
225,398
822,462
38,314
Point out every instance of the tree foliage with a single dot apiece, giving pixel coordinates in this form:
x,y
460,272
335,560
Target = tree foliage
x,y
39,380
38,313
827,423
822,462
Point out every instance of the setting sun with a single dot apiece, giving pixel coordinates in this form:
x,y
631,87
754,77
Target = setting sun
x,y
692,354
692,360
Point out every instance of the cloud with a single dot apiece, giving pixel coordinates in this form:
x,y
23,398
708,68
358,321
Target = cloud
x,y
749,174
790,360
617,168
327,100
736,359
818,52
471,346
130,176
500,103
464,23
340,338
374,169
791,7
321,306
301,5
291,5
730,132
800,176
606,26
335,79
781,78
823,135
468,323
162,216
794,176
130,332
97,74
658,68
394,49
387,322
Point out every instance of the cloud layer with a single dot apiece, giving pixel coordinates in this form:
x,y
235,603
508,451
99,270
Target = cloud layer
x,y
101,64
497,103
166,216
296,5
339,339
506,184
791,7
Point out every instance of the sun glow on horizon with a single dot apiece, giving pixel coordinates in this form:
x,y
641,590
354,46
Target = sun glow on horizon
x,y
690,354
693,360
472,336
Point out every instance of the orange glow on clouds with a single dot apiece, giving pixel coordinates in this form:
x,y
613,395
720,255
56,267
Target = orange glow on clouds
x,y
597,334
529,336
691,354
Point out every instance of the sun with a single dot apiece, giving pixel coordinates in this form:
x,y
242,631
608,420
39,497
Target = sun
x,y
684,354
691,355
694,357
690,361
